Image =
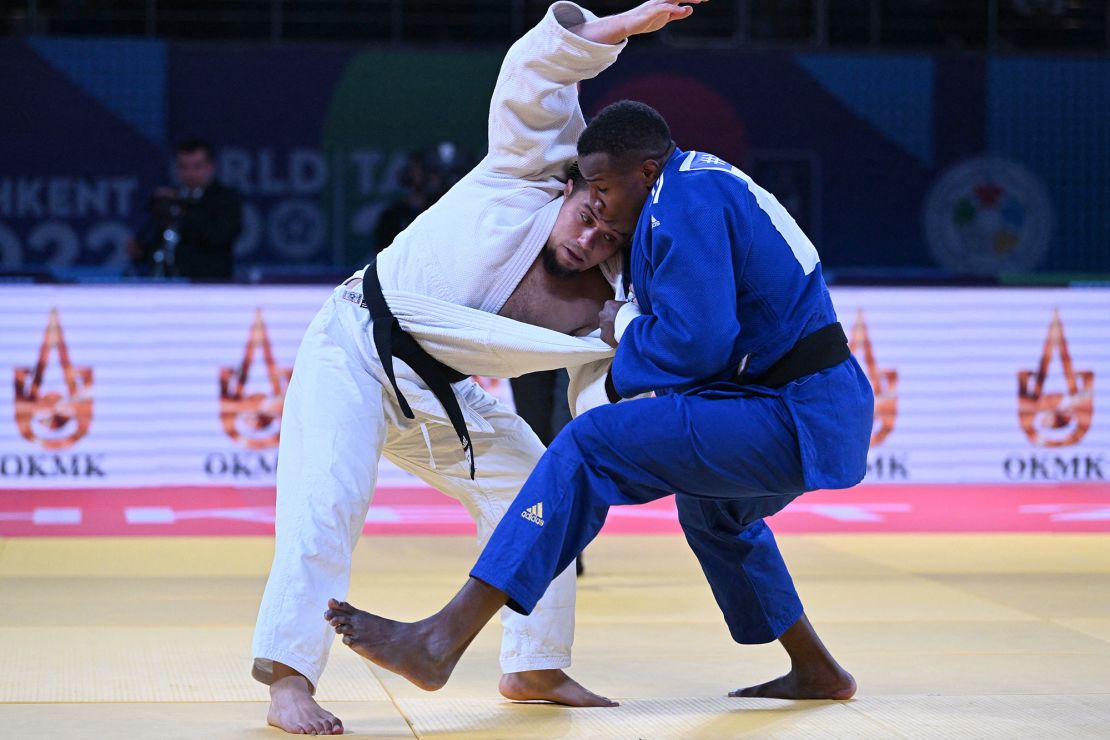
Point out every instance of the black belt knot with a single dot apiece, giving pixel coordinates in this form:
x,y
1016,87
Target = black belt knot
x,y
390,341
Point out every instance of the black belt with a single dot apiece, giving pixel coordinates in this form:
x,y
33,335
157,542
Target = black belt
x,y
824,348
390,340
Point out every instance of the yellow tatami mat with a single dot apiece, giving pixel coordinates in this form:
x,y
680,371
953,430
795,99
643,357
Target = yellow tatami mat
x,y
948,636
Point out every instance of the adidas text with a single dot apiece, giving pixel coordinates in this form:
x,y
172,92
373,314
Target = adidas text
x,y
534,514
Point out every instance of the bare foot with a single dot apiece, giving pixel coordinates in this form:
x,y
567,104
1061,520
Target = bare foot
x,y
550,685
814,672
837,685
293,709
407,649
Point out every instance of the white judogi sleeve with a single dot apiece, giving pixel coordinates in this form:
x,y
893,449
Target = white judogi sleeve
x,y
479,343
473,247
534,118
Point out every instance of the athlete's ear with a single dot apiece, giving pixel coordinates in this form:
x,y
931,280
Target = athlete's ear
x,y
568,188
649,172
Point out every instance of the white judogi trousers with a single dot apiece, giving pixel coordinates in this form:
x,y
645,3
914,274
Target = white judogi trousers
x,y
340,417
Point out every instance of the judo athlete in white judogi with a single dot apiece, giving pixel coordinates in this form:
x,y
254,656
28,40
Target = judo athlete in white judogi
x,y
498,278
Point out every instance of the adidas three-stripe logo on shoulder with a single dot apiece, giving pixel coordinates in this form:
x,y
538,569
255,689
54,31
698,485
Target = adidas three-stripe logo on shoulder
x,y
534,514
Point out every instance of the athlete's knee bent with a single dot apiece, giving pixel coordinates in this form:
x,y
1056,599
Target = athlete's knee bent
x,y
583,436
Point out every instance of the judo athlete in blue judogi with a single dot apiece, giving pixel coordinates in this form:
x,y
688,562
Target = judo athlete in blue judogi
x,y
757,400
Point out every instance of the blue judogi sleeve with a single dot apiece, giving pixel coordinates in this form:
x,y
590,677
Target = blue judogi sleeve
x,y
689,333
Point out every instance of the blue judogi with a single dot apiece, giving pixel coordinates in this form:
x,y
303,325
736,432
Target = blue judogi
x,y
726,281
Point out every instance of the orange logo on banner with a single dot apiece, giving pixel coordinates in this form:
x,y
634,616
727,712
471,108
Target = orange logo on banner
x,y
884,383
253,420
53,420
1055,419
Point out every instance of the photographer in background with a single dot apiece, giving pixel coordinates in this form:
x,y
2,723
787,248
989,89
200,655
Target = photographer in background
x,y
192,229
426,176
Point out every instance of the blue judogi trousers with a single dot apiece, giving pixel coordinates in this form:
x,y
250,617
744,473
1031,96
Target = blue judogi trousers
x,y
730,459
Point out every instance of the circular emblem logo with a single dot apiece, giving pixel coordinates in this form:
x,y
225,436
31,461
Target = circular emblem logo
x,y
296,229
988,216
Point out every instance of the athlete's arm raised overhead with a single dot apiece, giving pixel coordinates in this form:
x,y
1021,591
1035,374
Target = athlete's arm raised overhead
x,y
534,118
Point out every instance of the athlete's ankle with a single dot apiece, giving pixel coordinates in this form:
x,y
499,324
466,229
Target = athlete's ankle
x,y
293,684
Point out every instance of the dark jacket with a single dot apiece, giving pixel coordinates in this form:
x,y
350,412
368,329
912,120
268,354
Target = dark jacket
x,y
209,228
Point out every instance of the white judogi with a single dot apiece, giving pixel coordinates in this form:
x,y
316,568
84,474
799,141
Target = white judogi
x,y
444,277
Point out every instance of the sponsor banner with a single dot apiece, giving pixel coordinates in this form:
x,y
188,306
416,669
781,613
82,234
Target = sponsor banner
x,y
981,385
125,386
